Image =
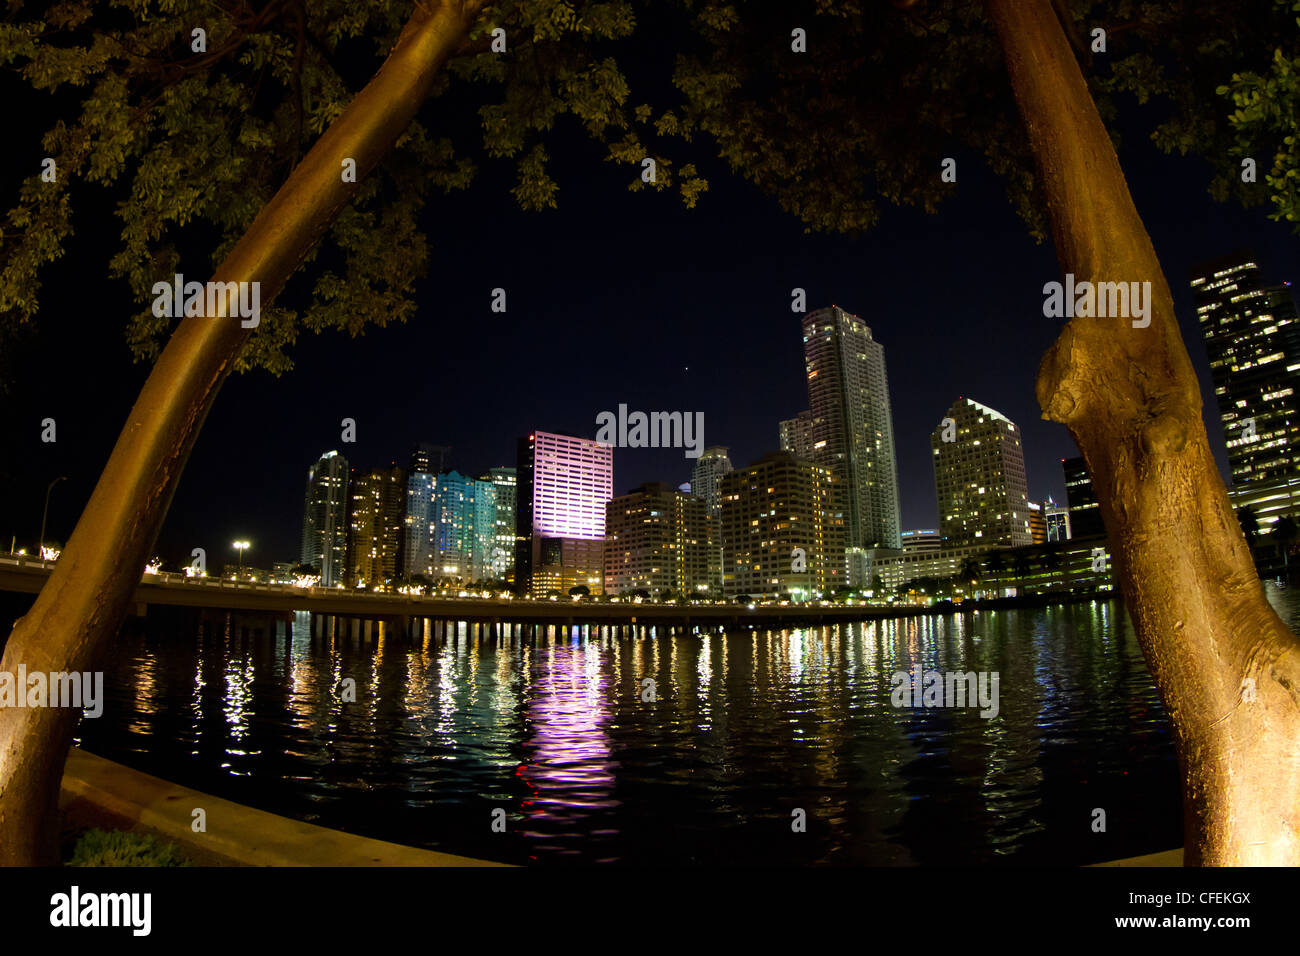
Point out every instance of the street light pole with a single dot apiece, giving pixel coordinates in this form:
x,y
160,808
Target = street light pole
x,y
40,548
240,546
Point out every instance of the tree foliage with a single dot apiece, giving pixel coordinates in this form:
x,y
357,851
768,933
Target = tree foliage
x,y
1265,120
180,137
820,131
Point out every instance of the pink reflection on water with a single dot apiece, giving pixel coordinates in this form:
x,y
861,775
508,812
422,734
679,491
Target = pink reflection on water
x,y
569,773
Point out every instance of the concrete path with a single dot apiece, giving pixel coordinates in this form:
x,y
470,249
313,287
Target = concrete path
x,y
236,835
1166,858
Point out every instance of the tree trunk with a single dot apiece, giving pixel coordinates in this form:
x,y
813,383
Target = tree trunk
x,y
1226,667
82,605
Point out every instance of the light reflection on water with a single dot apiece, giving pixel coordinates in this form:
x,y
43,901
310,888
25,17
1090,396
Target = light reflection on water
x,y
742,731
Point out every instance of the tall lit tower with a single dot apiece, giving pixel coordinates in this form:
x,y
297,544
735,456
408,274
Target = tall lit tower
x,y
1081,501
658,538
429,458
852,429
796,435
1252,336
464,527
324,523
417,525
378,507
709,469
979,477
780,533
562,486
503,550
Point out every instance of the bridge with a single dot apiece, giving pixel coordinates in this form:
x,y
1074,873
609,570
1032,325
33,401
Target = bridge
x,y
337,610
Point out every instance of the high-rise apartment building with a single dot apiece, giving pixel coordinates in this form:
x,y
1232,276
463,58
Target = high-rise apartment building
x,y
658,538
851,429
1084,511
1252,335
503,548
375,522
712,464
464,527
417,531
325,518
417,537
562,486
429,458
796,436
979,477
780,531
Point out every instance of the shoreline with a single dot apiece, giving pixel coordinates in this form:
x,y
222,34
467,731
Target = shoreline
x,y
96,790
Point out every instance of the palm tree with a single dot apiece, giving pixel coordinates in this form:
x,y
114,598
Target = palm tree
x,y
1053,558
995,564
1286,531
1249,524
1250,528
1021,564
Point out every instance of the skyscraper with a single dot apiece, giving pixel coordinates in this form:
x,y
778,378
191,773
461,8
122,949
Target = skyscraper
x,y
562,486
464,527
429,458
780,532
377,514
324,522
658,538
796,435
712,464
417,530
1252,335
979,477
503,550
1081,502
852,430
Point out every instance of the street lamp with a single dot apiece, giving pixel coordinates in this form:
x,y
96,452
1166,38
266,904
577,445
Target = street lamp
x,y
240,546
41,548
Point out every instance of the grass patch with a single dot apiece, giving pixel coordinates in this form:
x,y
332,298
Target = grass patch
x,y
98,847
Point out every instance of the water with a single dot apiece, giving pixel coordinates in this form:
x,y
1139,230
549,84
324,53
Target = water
x,y
744,731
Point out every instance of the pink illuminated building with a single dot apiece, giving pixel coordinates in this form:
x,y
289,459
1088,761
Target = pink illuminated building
x,y
563,485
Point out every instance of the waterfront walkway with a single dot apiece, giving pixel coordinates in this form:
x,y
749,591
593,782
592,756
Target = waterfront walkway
x,y
403,611
96,789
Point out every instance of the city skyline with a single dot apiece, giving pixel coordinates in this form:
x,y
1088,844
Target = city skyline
x,y
777,525
210,509
796,435
905,275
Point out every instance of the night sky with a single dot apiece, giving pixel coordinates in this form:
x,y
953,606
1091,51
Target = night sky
x,y
616,297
